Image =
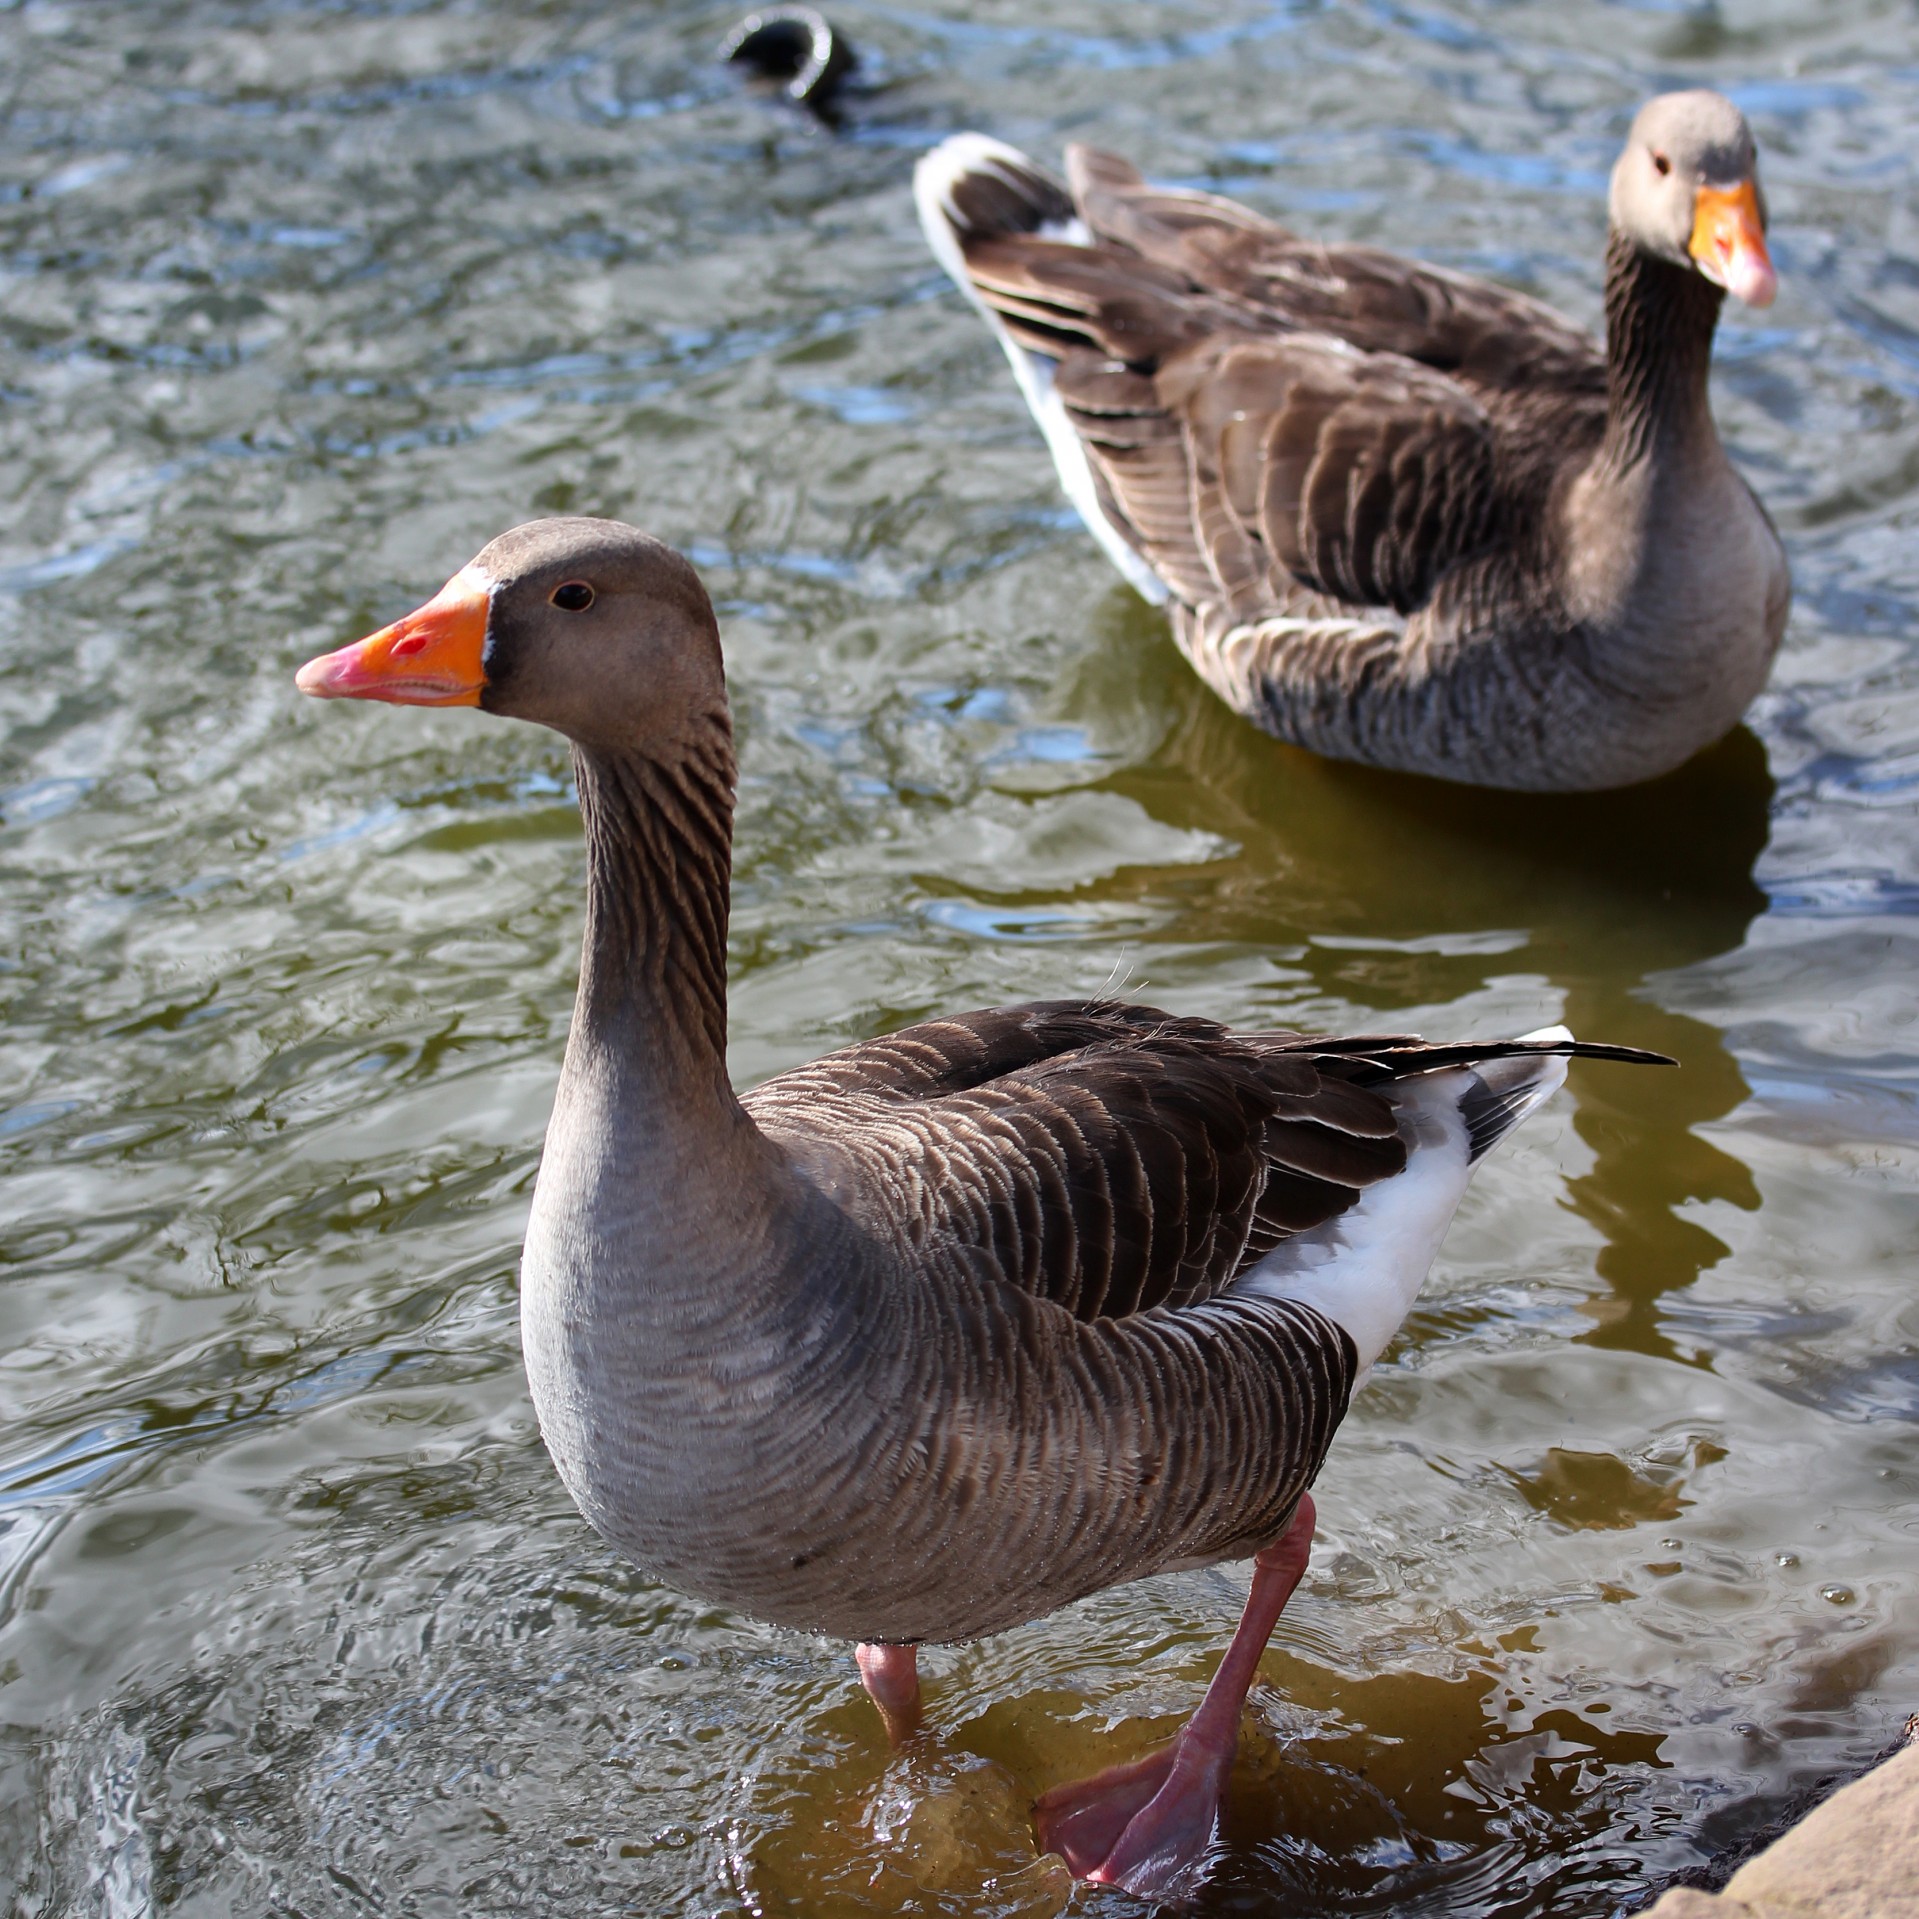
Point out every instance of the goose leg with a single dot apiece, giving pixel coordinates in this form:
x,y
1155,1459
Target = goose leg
x,y
1144,1827
891,1675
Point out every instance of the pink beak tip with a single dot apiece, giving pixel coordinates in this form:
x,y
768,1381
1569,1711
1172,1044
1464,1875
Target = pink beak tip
x,y
1751,277
322,678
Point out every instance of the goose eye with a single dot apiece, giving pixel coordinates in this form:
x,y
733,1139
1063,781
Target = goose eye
x,y
574,597
1661,164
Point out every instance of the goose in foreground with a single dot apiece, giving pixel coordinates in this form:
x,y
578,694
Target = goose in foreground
x,y
950,1328
1400,515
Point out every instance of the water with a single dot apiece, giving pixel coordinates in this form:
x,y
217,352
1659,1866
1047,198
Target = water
x,y
300,304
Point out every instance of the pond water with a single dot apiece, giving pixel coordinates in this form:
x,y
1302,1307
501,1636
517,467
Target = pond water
x,y
299,305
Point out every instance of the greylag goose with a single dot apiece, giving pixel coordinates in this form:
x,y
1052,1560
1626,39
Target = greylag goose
x,y
950,1328
1399,515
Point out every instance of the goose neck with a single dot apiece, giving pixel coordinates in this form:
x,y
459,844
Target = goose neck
x,y
1660,319
651,1010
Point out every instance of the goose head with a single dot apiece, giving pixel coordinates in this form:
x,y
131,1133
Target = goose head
x,y
1686,189
587,626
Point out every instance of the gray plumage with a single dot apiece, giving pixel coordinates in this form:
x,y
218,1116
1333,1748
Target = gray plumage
x,y
1399,515
948,1328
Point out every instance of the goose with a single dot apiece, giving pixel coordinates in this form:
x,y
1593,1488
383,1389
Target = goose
x,y
951,1327
1399,515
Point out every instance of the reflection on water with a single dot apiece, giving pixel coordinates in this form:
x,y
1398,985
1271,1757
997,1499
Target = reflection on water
x,y
299,305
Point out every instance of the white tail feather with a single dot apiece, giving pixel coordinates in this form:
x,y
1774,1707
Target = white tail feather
x,y
1364,1269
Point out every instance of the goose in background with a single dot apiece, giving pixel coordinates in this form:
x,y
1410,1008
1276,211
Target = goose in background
x,y
953,1327
1400,515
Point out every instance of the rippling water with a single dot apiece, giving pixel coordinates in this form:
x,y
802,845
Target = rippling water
x,y
301,303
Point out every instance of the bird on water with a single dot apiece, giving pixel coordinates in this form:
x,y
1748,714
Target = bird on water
x,y
1399,515
953,1327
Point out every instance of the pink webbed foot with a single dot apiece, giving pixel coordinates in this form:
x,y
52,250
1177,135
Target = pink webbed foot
x,y
891,1676
1146,1827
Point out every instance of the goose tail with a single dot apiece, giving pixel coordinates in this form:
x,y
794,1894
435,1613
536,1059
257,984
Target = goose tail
x,y
1363,1269
973,187
972,190
1504,1091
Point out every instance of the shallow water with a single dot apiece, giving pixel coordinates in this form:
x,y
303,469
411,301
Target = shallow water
x,y
299,304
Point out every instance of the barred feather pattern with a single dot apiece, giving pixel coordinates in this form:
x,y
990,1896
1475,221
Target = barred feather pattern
x,y
658,837
920,1345
931,1336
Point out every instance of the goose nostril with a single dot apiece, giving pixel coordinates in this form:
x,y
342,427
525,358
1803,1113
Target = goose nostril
x,y
403,649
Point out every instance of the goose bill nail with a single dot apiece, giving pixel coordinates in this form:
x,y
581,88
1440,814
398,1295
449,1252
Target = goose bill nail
x,y
433,657
1729,243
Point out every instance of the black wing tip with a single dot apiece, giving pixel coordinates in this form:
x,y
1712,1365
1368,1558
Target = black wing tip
x,y
1468,1051
1374,1058
1505,1087
1621,1055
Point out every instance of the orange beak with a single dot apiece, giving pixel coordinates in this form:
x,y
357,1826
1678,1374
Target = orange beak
x,y
1729,243
430,658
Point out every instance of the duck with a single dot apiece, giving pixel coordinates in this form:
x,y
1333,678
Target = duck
x,y
1399,515
959,1324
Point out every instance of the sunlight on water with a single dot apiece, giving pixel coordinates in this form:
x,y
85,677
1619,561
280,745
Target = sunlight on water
x,y
299,305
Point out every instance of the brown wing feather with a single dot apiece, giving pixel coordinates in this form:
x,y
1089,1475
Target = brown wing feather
x,y
1242,466
1108,1157
1105,1156
1490,337
1363,476
1268,419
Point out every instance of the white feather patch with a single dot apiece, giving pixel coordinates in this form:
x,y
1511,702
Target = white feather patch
x,y
1364,1269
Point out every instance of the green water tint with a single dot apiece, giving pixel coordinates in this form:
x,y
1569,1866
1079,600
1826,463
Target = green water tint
x,y
299,307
